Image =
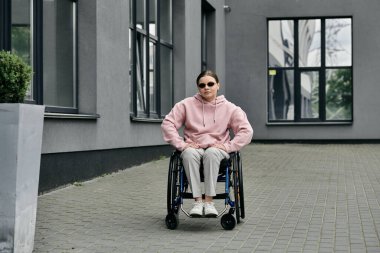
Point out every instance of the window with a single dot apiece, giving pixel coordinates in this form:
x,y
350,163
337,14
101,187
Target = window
x,y
43,34
310,70
59,55
151,50
16,31
207,36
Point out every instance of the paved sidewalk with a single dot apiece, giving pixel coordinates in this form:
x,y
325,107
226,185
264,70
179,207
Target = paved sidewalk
x,y
298,197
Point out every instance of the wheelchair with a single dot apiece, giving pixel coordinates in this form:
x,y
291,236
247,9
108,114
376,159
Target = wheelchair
x,y
230,172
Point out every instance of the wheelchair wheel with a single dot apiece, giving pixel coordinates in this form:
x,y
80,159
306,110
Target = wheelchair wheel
x,y
236,188
171,221
228,221
241,189
173,186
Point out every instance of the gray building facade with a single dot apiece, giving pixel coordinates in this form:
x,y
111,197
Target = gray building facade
x,y
247,61
109,71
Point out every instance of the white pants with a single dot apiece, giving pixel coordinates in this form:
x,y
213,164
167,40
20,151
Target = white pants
x,y
191,160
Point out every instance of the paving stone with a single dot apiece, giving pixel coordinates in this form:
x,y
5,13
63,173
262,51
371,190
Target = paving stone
x,y
298,198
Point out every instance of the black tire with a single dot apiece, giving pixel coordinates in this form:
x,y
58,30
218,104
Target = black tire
x,y
173,186
236,187
228,221
171,221
241,188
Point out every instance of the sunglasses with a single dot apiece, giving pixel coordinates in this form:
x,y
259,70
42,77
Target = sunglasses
x,y
202,85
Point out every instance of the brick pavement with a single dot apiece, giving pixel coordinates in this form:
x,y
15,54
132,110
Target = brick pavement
x,y
298,197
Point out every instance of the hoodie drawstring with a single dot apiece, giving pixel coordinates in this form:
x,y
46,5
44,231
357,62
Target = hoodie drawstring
x,y
203,113
214,110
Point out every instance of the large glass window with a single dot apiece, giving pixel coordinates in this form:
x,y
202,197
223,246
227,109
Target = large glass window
x,y
59,54
43,34
310,70
150,48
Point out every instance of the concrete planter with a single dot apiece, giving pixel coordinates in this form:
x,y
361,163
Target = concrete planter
x,y
21,128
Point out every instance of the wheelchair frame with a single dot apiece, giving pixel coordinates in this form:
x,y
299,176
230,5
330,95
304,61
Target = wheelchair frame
x,y
230,172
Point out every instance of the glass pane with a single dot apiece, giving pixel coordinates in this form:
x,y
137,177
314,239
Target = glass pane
x,y
338,94
140,74
22,34
281,43
130,70
166,80
166,20
281,95
152,17
59,53
130,12
309,95
309,39
152,78
140,14
338,42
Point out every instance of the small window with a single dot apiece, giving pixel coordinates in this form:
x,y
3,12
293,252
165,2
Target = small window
x,y
310,70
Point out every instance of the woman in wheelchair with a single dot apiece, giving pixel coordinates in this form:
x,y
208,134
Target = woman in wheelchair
x,y
207,119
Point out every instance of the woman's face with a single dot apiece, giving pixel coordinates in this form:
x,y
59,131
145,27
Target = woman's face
x,y
208,88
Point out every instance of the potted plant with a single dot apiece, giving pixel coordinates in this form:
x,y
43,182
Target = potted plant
x,y
20,155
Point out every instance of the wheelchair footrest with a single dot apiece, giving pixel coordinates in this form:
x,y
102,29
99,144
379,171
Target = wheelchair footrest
x,y
203,216
188,195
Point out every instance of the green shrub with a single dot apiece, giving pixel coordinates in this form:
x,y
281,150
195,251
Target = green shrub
x,y
15,76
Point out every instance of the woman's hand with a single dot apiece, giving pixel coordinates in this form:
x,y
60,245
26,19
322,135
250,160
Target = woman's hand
x,y
191,145
219,146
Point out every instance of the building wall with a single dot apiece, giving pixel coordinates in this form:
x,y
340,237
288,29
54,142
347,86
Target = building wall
x,y
77,149
246,65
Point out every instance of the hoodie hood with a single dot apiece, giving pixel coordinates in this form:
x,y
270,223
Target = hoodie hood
x,y
218,100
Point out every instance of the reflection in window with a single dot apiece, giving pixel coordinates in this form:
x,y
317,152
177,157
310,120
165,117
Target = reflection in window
x,y
309,40
281,95
281,43
152,77
165,20
339,94
140,11
166,79
140,74
338,42
152,17
59,79
22,34
309,95
319,80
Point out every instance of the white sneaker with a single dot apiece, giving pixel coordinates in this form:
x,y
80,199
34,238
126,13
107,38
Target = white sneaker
x,y
197,209
210,210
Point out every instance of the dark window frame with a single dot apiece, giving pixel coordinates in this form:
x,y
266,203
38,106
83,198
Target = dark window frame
x,y
297,74
159,42
5,24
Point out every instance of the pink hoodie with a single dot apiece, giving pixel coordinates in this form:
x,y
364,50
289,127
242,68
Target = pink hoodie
x,y
207,123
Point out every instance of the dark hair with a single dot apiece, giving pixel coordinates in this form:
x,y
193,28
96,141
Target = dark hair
x,y
208,73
